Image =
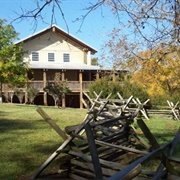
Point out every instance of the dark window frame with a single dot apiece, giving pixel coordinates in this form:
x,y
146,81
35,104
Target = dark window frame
x,y
66,57
35,56
51,57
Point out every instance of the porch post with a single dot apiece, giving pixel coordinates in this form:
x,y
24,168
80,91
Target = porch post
x,y
63,95
97,75
81,88
1,89
26,97
26,92
44,85
114,76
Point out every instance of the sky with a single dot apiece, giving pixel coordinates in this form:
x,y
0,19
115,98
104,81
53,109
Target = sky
x,y
94,30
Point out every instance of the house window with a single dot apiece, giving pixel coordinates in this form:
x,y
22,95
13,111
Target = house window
x,y
35,56
51,57
66,57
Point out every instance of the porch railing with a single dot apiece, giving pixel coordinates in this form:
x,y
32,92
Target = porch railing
x,y
73,85
36,84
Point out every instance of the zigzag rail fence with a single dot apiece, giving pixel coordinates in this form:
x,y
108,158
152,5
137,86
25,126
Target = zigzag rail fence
x,y
107,146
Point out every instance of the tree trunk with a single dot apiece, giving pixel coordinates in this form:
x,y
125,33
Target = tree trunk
x,y
1,92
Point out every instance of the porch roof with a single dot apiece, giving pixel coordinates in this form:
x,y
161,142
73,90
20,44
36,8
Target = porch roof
x,y
61,66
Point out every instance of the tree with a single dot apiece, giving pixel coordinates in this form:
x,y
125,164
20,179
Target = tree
x,y
94,61
159,75
32,93
106,85
57,88
134,89
12,68
155,21
20,94
119,53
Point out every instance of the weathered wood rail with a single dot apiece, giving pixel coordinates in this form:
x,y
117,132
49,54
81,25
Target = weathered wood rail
x,y
130,105
172,111
107,146
120,106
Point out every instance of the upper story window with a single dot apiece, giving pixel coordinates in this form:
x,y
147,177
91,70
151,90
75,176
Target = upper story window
x,y
35,56
51,57
66,57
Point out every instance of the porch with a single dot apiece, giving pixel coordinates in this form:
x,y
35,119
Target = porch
x,y
74,86
77,80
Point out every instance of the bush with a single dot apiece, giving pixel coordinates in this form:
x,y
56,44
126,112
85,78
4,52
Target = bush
x,y
106,85
32,93
129,89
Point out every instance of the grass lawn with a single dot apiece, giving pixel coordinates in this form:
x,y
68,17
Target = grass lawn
x,y
26,140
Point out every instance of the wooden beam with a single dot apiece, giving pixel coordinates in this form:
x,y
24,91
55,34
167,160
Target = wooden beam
x,y
88,158
91,101
121,147
89,166
52,123
44,85
173,109
81,88
63,95
93,151
174,143
123,173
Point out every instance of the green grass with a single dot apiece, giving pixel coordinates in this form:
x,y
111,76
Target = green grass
x,y
26,140
164,130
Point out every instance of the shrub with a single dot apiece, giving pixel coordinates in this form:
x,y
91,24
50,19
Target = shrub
x,y
106,85
129,89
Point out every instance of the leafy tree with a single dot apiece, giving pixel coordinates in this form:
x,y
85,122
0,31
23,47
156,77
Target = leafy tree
x,y
159,76
94,61
12,68
20,94
32,93
106,85
137,91
57,88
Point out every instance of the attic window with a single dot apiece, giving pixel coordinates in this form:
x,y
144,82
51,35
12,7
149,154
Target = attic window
x,y
66,57
35,56
51,57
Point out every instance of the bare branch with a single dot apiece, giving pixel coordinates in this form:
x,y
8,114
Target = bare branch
x,y
90,9
33,13
62,14
154,21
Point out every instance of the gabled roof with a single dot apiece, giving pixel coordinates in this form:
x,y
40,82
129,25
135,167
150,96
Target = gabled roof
x,y
63,33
